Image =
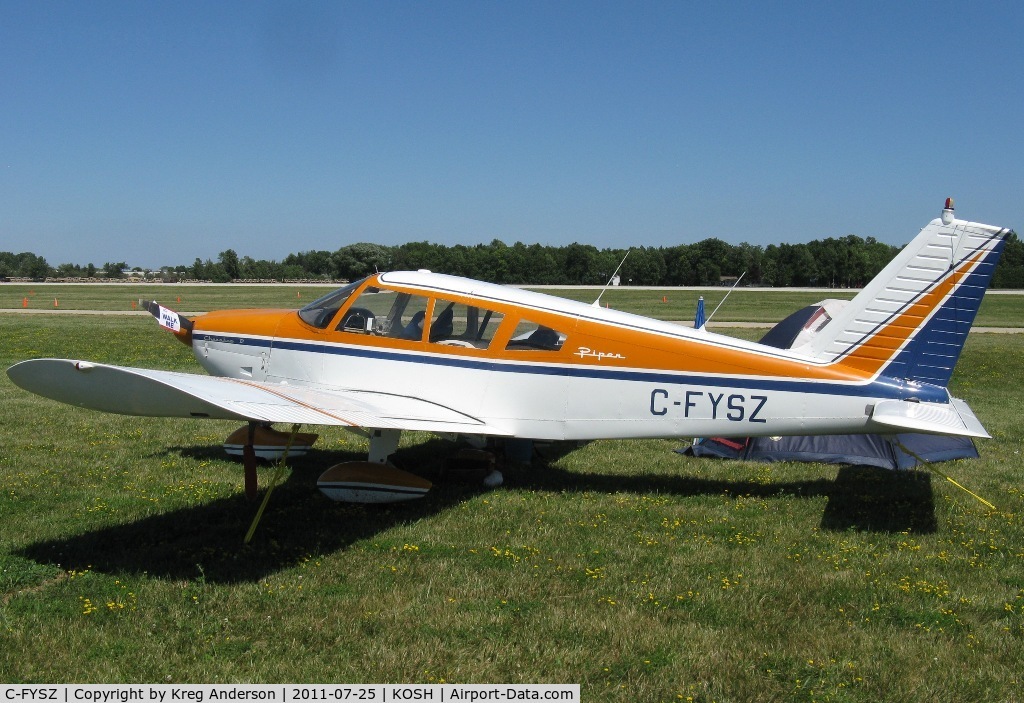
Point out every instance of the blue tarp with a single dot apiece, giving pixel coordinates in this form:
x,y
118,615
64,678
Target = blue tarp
x,y
885,452
859,450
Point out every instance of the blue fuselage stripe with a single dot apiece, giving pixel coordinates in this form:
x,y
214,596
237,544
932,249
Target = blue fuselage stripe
x,y
880,388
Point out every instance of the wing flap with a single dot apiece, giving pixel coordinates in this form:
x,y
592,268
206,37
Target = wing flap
x,y
152,393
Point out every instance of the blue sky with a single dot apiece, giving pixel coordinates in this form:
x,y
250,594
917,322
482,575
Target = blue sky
x,y
158,132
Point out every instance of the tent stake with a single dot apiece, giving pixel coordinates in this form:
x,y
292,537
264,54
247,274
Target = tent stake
x,y
928,465
273,483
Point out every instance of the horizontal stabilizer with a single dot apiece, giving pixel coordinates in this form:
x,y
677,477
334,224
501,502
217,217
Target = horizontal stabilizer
x,y
146,392
953,418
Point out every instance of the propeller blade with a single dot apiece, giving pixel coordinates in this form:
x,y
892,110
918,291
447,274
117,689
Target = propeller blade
x,y
169,319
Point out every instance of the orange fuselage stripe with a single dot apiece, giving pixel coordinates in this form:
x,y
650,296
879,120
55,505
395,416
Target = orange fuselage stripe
x,y
640,348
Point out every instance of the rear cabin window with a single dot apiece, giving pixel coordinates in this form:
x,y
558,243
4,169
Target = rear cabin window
x,y
531,336
460,325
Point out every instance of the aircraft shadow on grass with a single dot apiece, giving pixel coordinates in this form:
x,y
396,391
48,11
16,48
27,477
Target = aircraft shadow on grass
x,y
861,498
207,540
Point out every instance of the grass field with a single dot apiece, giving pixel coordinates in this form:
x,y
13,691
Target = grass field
x,y
623,566
669,304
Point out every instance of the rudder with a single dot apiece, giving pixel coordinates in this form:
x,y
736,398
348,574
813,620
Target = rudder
x,y
911,321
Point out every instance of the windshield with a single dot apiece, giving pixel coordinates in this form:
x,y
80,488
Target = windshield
x,y
321,311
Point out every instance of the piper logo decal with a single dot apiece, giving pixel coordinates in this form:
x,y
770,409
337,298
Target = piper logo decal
x,y
587,352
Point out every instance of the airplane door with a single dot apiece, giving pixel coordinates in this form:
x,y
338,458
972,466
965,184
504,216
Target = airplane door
x,y
290,360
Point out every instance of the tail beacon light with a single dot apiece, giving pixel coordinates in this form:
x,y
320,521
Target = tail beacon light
x,y
947,212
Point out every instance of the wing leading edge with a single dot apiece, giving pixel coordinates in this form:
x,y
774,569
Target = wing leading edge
x,y
151,393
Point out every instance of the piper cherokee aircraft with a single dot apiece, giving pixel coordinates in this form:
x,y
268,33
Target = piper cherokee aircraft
x,y
426,351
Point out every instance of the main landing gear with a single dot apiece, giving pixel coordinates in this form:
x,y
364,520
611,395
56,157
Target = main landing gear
x,y
374,480
370,481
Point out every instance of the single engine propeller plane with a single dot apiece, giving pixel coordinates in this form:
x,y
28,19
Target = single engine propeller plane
x,y
426,351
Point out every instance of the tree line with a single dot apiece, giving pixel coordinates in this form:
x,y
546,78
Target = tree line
x,y
835,262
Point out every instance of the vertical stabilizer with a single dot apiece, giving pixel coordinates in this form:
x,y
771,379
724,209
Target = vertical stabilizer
x,y
911,321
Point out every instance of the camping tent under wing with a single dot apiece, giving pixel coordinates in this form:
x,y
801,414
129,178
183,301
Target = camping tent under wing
x,y
861,450
896,452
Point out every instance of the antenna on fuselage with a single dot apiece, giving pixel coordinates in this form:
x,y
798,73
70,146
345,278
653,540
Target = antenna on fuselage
x,y
597,303
723,299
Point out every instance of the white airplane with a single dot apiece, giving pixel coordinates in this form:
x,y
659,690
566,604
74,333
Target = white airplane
x,y
425,351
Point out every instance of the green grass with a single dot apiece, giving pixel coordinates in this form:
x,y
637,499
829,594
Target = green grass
x,y
623,566
669,304
761,306
184,297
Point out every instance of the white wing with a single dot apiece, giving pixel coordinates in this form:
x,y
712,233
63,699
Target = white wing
x,y
145,392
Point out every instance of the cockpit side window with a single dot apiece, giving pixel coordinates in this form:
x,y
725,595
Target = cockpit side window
x,y
385,313
408,317
460,325
321,311
530,336
369,312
